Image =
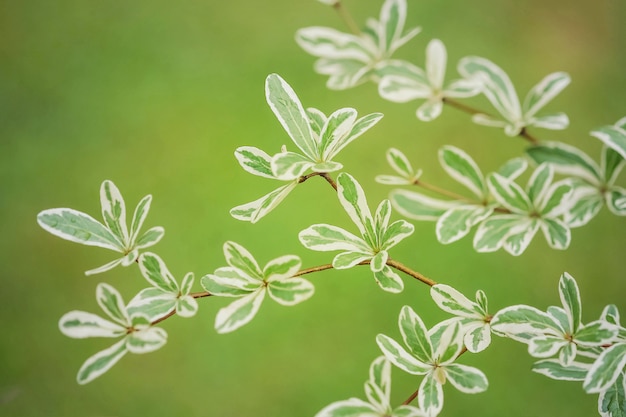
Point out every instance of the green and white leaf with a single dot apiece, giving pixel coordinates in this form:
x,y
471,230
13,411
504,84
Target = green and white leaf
x,y
239,312
326,237
613,136
457,222
101,362
606,369
291,291
521,323
255,161
388,280
466,379
418,206
80,325
612,401
460,166
78,227
255,210
552,368
400,357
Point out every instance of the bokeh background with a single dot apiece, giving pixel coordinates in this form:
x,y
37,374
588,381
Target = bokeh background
x,y
156,95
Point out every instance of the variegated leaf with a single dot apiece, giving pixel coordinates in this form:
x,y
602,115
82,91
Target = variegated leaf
x,y
101,362
290,292
466,379
460,166
239,312
255,210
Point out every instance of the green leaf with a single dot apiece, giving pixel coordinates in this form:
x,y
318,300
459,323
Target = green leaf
x,y
255,161
114,210
146,340
357,128
400,357
556,233
352,198
466,379
186,306
539,182
457,222
479,338
235,278
381,219
238,257
586,204
493,233
395,233
353,407
570,298
389,281
156,273
218,287
612,401
612,136
331,43
255,210
289,111
101,362
151,237
509,194
543,92
415,335
516,243
616,201
452,301
460,166
291,291
392,17
513,168
288,166
78,227
335,132
325,237
400,163
606,369
556,200
520,321
106,267
110,300
418,206
612,163
239,312
430,396
80,325
552,368
596,333
546,346
379,261
566,160
139,216
497,86
380,378
408,85
281,268
153,303
317,120
346,260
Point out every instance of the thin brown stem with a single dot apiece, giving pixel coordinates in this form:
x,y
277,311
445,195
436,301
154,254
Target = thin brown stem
x,y
313,269
411,398
324,175
524,133
441,191
472,111
418,276
329,179
346,17
463,107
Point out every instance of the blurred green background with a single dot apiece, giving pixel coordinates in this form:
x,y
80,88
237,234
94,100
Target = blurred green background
x,y
156,95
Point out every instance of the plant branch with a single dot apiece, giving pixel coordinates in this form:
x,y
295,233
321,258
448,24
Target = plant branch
x,y
441,191
411,397
346,17
324,175
472,111
403,268
171,313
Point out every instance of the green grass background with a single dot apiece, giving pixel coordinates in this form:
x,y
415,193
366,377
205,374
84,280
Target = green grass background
x,y
156,96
